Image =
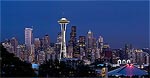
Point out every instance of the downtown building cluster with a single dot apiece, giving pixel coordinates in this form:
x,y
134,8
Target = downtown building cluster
x,y
86,47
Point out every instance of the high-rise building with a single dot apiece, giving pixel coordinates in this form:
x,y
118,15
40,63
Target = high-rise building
x,y
82,40
28,36
106,52
14,44
128,47
72,42
108,56
46,45
41,57
37,46
37,43
46,41
32,54
82,46
89,44
76,52
42,44
99,46
58,46
63,23
70,52
100,42
20,52
93,54
90,39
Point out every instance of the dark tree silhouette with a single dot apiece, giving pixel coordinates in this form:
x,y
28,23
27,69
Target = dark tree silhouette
x,y
12,66
54,69
64,69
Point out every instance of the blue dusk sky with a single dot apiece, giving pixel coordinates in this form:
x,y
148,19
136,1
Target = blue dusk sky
x,y
118,22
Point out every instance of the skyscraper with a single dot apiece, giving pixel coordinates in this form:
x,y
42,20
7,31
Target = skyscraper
x,y
37,43
93,50
100,42
46,41
72,42
90,39
28,36
32,54
58,46
89,44
46,45
82,46
128,47
106,52
100,46
14,44
63,23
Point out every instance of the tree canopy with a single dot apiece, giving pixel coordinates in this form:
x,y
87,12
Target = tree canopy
x,y
12,66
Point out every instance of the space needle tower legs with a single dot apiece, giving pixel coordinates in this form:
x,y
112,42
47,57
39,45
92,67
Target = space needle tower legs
x,y
63,23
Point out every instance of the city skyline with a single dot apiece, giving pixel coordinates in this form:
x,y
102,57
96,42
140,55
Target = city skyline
x,y
132,18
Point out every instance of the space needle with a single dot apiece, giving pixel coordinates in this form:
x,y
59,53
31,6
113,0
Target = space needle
x,y
63,23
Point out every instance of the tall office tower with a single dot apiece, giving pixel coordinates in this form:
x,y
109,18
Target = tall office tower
x,y
93,50
76,52
28,36
14,44
63,23
42,44
46,45
100,42
94,43
89,44
72,41
46,41
37,43
127,50
82,46
70,52
32,54
59,38
41,57
106,50
108,55
100,45
58,46
20,52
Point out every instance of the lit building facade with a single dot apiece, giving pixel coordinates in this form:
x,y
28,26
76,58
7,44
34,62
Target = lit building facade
x,y
46,42
46,45
72,43
82,46
100,43
89,45
57,46
37,43
14,44
127,49
32,54
94,48
28,36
